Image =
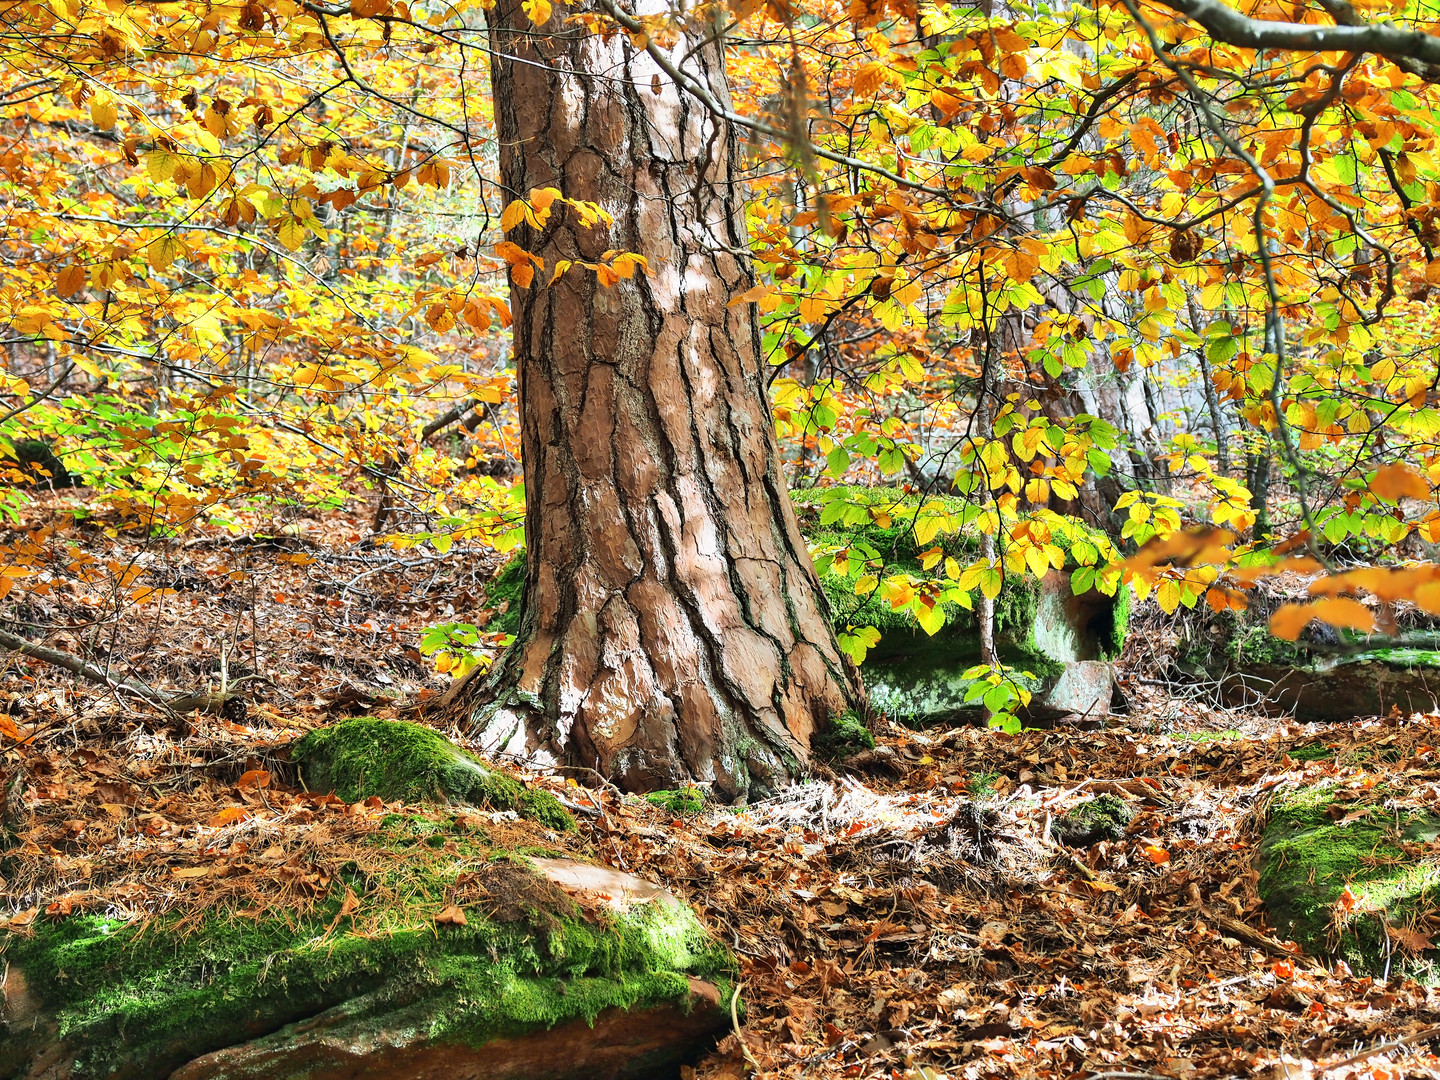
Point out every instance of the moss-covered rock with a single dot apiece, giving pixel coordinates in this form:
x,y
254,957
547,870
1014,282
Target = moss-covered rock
x,y
403,973
503,594
392,759
1102,818
679,802
1315,847
845,736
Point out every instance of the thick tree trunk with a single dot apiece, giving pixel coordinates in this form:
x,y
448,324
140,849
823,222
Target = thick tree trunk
x,y
673,628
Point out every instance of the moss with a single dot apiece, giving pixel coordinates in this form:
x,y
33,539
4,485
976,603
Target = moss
x,y
1102,818
1211,736
394,760
1112,643
1312,752
845,736
1309,855
982,783
679,802
137,1001
506,588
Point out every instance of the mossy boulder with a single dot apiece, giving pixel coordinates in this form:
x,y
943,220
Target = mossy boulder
x,y
1102,818
486,968
1326,676
1316,846
395,760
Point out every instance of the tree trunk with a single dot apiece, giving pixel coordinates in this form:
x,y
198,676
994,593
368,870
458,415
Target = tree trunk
x,y
673,629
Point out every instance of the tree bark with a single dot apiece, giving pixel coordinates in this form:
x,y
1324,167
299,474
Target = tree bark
x,y
673,629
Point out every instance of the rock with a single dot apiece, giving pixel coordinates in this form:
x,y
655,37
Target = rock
x,y
1316,846
1062,641
554,970
393,760
1341,688
1102,818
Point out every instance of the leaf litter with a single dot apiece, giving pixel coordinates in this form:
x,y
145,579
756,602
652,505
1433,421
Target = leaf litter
x,y
915,916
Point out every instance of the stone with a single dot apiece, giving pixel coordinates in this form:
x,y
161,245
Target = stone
x,y
1062,640
558,970
1340,688
1316,845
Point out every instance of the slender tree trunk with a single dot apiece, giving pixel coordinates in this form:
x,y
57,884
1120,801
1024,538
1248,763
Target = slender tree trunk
x,y
673,628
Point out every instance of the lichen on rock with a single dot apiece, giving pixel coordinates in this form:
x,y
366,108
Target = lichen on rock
x,y
395,760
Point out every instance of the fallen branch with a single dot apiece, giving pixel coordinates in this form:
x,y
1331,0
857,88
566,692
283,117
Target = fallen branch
x,y
204,700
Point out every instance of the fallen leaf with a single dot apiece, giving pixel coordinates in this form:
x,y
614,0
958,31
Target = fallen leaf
x,y
257,778
452,915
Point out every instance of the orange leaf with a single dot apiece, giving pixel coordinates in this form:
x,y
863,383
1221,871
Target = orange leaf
x,y
8,728
1398,481
228,815
1158,855
452,915
257,778
1342,611
1289,620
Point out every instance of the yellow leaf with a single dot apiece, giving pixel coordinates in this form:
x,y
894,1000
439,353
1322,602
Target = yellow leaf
x,y
163,251
1168,595
291,233
538,10
103,112
513,215
161,165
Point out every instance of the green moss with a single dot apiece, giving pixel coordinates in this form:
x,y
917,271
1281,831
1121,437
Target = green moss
x,y
137,1001
982,783
1312,752
506,588
1211,736
845,736
679,802
1112,643
393,760
1102,818
1309,855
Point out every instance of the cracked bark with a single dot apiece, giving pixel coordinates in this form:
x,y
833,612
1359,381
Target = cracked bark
x,y
673,629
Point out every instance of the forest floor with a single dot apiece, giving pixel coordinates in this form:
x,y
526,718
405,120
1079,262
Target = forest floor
x,y
909,917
